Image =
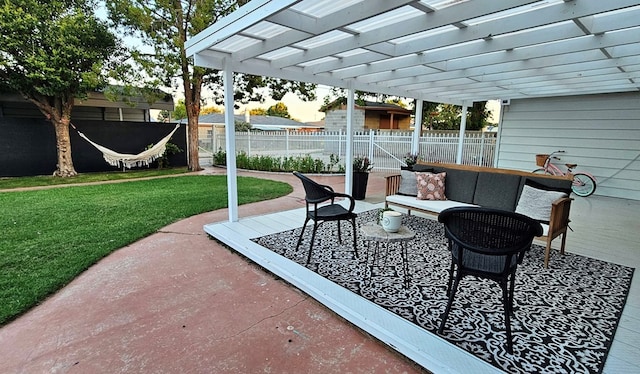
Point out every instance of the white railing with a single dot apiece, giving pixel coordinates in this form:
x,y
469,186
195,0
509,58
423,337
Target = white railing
x,y
386,149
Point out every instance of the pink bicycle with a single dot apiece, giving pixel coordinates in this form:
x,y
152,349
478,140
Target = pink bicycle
x,y
584,184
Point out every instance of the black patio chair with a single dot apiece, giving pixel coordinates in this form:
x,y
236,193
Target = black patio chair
x,y
487,243
315,195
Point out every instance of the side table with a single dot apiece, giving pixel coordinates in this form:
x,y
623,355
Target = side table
x,y
373,232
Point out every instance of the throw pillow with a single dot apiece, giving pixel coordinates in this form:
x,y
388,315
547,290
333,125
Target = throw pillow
x,y
540,186
408,183
536,203
431,186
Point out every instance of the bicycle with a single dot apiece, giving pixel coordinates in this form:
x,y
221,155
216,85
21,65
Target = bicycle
x,y
584,184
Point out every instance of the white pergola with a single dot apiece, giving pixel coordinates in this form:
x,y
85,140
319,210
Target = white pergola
x,y
449,51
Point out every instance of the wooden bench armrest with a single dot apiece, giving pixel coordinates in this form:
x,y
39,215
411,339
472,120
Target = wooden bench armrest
x,y
559,219
393,184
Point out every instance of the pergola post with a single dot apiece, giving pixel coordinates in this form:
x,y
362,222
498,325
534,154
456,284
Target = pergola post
x,y
463,127
229,128
417,128
348,178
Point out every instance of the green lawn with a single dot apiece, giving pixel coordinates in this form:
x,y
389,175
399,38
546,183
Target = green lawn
x,y
50,236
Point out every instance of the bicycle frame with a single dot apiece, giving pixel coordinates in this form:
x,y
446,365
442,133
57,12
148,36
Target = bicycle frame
x,y
551,168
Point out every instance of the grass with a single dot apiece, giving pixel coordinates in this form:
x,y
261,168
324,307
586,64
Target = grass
x,y
47,180
50,236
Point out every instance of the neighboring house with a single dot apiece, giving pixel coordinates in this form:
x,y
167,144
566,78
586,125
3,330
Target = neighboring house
x,y
95,107
368,115
209,123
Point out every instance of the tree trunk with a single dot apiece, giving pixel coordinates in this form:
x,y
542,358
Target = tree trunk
x,y
192,130
63,145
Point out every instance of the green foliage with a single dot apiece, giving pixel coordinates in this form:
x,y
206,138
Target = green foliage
x,y
361,164
53,49
220,157
334,161
303,164
180,110
449,117
43,252
278,110
171,149
242,126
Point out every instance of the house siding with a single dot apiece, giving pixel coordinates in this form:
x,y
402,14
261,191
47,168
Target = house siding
x,y
600,133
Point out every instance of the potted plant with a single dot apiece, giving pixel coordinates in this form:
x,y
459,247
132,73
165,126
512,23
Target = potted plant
x,y
410,159
361,168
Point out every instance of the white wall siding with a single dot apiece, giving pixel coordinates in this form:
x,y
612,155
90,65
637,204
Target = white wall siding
x,y
600,133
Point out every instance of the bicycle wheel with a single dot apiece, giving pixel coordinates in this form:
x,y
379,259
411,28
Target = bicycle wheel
x,y
583,185
542,171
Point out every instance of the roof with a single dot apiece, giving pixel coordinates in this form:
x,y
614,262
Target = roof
x,y
366,105
257,122
437,50
98,99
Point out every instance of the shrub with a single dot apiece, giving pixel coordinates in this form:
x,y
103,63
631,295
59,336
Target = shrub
x,y
303,164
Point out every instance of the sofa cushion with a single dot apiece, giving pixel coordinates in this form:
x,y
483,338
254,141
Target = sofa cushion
x,y
497,190
435,206
431,186
408,183
548,184
536,203
422,168
460,184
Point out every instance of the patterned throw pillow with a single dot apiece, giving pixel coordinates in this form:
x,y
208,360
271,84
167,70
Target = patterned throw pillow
x,y
431,186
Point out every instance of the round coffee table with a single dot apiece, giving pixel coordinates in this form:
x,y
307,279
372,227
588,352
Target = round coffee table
x,y
373,232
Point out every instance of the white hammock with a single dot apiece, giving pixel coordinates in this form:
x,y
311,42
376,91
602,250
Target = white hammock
x,y
143,158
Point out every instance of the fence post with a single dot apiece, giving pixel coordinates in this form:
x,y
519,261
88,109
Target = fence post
x,y
287,142
213,139
339,142
248,142
481,160
371,141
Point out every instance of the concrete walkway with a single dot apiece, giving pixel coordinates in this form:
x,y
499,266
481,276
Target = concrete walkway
x,y
179,302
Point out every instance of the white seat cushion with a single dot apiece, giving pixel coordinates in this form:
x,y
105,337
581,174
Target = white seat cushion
x,y
435,206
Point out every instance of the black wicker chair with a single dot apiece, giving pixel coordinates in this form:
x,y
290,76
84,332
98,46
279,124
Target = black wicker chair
x,y
316,194
487,243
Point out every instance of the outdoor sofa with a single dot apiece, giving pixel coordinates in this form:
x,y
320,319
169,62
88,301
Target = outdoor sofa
x,y
545,198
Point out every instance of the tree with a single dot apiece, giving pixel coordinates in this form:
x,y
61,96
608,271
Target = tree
x,y
258,112
448,116
210,110
429,111
165,26
278,110
52,52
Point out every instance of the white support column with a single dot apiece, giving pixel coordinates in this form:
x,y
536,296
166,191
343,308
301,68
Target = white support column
x,y
417,129
348,178
463,127
230,132
496,150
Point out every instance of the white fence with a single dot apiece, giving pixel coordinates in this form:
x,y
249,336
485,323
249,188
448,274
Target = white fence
x,y
386,150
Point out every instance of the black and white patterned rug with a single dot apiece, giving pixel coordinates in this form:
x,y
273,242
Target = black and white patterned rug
x,y
565,316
